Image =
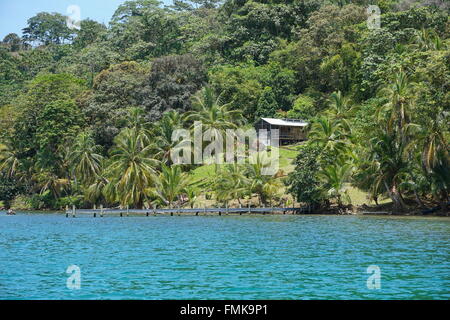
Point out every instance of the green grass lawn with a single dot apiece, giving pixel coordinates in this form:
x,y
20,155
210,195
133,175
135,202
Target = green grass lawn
x,y
287,156
359,197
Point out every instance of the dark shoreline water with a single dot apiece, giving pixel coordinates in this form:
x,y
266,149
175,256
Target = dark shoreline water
x,y
227,257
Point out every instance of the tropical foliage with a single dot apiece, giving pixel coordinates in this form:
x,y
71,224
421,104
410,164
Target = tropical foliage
x,y
87,116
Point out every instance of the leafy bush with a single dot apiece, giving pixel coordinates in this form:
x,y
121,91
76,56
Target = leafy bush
x,y
304,183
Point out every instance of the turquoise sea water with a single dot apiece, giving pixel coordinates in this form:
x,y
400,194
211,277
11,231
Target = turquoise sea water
x,y
228,257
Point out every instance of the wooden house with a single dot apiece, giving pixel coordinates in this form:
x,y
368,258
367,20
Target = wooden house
x,y
290,130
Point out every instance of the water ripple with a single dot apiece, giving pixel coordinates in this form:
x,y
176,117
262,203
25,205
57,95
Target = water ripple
x,y
264,257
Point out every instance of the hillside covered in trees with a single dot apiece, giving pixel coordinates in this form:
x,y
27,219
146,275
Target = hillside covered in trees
x,y
87,115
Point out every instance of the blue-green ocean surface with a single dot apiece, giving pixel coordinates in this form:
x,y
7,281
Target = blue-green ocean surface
x,y
228,257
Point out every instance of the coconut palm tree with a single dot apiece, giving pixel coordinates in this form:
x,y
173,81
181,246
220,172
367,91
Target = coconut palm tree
x,y
9,161
331,135
335,176
85,158
215,116
230,183
433,142
135,119
170,184
101,188
339,105
48,180
388,154
399,105
428,40
132,167
435,157
440,181
423,39
162,133
414,180
366,174
265,186
191,194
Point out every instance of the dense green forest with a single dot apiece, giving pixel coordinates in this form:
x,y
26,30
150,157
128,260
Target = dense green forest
x,y
87,115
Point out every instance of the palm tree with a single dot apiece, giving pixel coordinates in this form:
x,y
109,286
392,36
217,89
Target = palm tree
x,y
423,39
388,154
433,142
48,180
9,161
230,183
339,105
399,103
191,194
132,168
415,181
215,116
440,181
335,176
428,40
339,110
84,158
436,158
101,188
265,186
329,134
366,175
163,131
135,120
170,184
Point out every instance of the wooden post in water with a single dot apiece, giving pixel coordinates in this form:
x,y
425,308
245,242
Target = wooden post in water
x,y
154,210
67,211
74,210
249,208
128,210
226,208
101,211
95,213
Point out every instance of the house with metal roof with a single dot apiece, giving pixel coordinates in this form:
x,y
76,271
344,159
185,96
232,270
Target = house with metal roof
x,y
290,130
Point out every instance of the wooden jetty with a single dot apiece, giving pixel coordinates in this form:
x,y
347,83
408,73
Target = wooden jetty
x,y
185,212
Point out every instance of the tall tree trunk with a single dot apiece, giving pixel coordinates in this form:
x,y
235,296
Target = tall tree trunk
x,y
418,200
395,197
